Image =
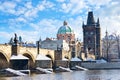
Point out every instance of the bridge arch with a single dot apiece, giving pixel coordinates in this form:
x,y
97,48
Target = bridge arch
x,y
5,55
4,60
49,56
31,60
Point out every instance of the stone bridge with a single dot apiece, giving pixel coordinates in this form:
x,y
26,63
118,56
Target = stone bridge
x,y
30,52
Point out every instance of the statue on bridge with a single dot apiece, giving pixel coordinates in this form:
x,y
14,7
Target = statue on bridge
x,y
15,39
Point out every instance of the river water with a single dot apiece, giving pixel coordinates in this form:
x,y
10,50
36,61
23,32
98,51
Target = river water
x,y
76,75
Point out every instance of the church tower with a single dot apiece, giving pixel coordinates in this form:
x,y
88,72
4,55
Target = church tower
x,y
92,36
66,33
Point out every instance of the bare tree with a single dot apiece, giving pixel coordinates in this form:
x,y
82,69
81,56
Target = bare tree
x,y
117,38
107,43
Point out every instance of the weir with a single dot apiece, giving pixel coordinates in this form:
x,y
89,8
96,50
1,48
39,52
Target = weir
x,y
66,69
79,67
18,73
47,71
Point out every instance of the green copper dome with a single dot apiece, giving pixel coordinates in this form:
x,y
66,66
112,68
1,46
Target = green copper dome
x,y
65,29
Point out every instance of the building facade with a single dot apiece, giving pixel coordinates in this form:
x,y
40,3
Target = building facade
x,y
92,36
110,47
54,44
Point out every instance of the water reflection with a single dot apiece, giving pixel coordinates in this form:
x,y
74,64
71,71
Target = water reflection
x,y
77,75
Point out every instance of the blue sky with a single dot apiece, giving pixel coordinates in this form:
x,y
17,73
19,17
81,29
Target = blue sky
x,y
33,19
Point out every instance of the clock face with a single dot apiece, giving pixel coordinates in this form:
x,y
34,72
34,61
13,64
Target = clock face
x,y
91,33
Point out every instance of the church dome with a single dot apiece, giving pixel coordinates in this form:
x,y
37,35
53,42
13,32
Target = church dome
x,y
64,29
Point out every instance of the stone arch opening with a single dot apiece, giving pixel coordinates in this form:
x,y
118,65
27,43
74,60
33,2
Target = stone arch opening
x,y
49,56
3,61
66,57
31,63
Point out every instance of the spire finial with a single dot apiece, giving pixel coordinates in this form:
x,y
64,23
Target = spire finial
x,y
106,33
65,23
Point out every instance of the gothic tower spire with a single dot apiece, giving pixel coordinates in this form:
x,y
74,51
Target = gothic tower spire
x,y
90,19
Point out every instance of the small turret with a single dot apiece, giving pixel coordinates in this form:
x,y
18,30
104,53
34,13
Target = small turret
x,y
106,36
98,23
83,24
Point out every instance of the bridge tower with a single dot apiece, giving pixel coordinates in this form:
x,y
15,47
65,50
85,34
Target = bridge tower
x,y
92,36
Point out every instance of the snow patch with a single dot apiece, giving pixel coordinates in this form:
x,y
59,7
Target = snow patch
x,y
101,61
64,59
89,59
42,57
76,59
19,56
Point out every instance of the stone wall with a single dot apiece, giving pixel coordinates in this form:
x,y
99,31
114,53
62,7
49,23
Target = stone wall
x,y
61,63
19,64
43,63
74,63
109,65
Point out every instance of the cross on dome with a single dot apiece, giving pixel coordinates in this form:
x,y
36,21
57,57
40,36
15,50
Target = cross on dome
x,y
64,23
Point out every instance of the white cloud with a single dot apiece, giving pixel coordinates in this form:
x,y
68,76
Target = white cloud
x,y
44,28
60,0
66,7
35,26
28,5
109,17
20,19
5,36
73,6
98,2
49,27
8,7
17,0
29,36
31,14
78,6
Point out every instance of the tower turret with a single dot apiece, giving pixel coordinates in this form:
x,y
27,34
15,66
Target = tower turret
x,y
83,24
98,23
